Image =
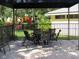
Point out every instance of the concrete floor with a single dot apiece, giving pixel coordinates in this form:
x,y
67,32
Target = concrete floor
x,y
55,50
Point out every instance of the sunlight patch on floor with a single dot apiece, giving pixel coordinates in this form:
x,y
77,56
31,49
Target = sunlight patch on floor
x,y
73,53
12,46
37,53
21,50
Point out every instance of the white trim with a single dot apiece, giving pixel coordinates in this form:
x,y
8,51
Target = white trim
x,y
64,22
64,11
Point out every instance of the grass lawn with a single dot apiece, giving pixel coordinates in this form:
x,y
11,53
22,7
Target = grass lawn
x,y
19,33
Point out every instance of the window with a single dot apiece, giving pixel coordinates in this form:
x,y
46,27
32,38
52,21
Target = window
x,y
73,16
60,16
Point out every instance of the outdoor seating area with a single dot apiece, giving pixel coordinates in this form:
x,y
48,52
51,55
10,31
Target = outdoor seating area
x,y
42,37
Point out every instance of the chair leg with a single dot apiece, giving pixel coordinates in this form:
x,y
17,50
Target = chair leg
x,y
0,49
9,47
4,51
24,41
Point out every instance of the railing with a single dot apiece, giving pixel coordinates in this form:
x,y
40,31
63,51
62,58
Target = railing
x,y
6,34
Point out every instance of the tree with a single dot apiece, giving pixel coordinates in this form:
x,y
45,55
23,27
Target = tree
x,y
44,23
39,12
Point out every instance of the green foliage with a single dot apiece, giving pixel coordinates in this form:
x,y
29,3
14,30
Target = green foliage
x,y
44,23
1,22
19,33
8,12
5,11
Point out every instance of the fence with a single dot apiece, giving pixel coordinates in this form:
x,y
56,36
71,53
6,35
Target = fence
x,y
73,28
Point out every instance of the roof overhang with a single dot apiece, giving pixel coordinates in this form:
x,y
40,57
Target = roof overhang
x,y
43,4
